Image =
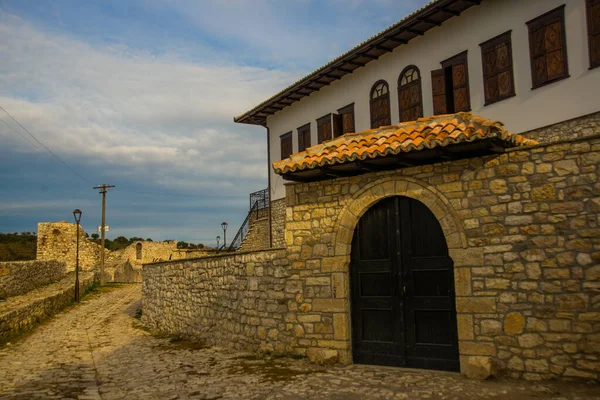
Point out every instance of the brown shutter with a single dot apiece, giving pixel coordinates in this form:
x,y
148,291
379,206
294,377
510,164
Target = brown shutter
x,y
547,47
286,145
324,128
459,87
498,79
338,128
593,14
303,137
347,116
438,86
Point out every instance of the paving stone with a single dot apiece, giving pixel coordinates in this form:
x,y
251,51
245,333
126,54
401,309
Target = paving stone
x,y
99,350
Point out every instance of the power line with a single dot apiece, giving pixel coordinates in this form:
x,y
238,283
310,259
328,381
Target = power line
x,y
19,133
183,194
50,151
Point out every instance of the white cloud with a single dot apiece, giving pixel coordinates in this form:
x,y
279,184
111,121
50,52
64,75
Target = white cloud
x,y
159,118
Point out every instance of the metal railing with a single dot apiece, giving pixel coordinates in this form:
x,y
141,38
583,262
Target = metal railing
x,y
258,201
261,197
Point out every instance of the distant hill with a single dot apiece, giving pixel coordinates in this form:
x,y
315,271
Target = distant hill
x,y
17,246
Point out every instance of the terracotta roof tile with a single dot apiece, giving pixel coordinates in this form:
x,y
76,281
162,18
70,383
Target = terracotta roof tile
x,y
424,133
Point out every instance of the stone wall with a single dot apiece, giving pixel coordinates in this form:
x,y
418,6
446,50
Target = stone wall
x,y
257,237
238,300
577,128
148,252
278,222
522,229
20,314
18,277
57,241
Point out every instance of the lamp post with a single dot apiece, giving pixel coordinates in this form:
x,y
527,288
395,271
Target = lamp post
x,y
77,214
224,226
218,238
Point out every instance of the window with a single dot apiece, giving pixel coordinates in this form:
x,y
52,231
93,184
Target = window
x,y
304,137
410,99
547,48
593,15
344,121
498,78
380,104
138,251
286,145
324,128
450,86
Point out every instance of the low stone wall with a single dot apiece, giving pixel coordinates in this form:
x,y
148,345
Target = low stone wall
x,y
18,277
21,313
238,300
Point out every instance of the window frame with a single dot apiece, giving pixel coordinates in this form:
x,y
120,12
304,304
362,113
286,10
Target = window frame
x,y
282,138
415,83
490,45
588,8
459,58
303,132
544,19
373,100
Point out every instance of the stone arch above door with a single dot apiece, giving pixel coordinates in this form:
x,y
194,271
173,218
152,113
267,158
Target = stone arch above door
x,y
398,186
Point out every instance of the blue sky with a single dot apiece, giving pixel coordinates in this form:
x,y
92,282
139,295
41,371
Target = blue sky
x,y
141,94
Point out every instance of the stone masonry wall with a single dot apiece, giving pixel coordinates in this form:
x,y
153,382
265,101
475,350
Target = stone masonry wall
x,y
278,222
577,128
523,232
257,237
238,300
57,241
19,277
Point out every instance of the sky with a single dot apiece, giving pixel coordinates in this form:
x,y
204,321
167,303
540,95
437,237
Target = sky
x,y
141,94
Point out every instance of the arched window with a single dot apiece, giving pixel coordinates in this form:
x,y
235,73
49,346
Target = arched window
x,y
138,251
380,104
410,99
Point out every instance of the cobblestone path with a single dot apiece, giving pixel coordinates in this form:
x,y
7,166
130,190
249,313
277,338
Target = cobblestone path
x,y
98,350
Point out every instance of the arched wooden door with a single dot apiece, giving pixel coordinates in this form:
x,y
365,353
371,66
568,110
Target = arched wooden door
x,y
402,288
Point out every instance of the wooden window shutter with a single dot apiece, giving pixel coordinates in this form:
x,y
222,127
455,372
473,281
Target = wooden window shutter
x,y
593,16
438,86
460,87
498,78
303,137
347,117
338,128
286,145
410,100
380,104
324,128
547,47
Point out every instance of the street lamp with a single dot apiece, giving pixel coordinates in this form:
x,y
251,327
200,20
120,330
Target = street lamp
x,y
224,226
218,238
77,214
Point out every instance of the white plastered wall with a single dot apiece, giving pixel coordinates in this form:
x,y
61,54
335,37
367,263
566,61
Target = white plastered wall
x,y
569,98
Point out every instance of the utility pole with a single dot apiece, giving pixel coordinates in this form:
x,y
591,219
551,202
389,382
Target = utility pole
x,y
103,189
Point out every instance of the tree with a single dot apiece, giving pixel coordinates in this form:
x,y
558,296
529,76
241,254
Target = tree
x,y
95,236
148,240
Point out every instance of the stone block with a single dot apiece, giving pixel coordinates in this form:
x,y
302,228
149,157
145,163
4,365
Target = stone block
x,y
491,327
329,305
543,193
322,356
476,304
572,302
462,281
477,348
335,264
514,323
465,326
478,367
530,340
341,329
467,257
